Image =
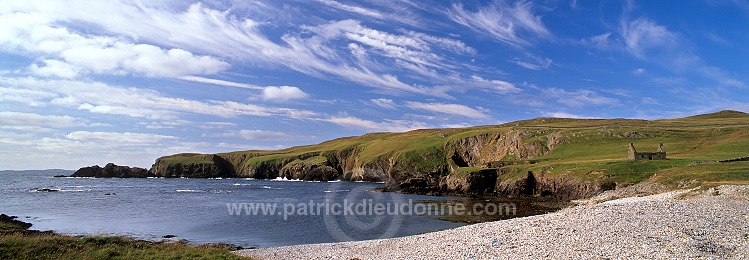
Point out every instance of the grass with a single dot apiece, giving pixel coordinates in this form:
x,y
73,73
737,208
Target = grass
x,y
17,242
706,173
53,246
187,158
584,146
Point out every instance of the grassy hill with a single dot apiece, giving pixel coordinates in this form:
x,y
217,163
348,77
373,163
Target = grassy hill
x,y
587,155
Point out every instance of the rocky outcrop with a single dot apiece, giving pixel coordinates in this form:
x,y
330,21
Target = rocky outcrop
x,y
475,183
479,150
193,166
312,169
560,187
112,171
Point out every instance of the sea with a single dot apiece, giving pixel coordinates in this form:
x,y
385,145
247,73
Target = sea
x,y
212,210
249,213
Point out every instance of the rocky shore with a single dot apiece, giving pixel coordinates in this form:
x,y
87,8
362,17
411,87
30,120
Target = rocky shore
x,y
686,224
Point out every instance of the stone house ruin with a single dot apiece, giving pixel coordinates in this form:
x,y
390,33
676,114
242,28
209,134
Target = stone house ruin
x,y
635,155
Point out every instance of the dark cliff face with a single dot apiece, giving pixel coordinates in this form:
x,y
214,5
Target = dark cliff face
x,y
112,171
201,166
470,166
438,172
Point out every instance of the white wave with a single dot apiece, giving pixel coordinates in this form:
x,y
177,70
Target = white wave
x,y
271,188
190,191
285,179
329,191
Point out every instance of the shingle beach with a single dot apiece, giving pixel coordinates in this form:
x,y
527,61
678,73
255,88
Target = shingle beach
x,y
712,223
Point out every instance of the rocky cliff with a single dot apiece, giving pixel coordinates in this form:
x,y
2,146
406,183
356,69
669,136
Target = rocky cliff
x,y
563,158
112,171
193,166
467,166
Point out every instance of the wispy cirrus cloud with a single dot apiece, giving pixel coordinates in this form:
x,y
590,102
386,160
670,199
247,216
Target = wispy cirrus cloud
x,y
641,36
96,97
514,24
384,103
353,8
126,137
221,82
532,62
220,36
578,98
648,40
369,125
560,114
259,135
494,85
449,109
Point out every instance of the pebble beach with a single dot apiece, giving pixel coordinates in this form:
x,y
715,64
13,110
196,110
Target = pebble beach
x,y
711,223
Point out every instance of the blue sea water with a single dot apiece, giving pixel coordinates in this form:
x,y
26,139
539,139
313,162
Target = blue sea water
x,y
198,210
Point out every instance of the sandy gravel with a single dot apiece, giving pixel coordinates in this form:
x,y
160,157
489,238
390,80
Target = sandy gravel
x,y
681,224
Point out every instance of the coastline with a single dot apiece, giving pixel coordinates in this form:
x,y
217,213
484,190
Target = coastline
x,y
711,223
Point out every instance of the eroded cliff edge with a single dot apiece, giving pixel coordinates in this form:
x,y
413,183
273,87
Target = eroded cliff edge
x,y
473,165
563,158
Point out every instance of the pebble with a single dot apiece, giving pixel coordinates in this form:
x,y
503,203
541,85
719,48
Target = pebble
x,y
711,224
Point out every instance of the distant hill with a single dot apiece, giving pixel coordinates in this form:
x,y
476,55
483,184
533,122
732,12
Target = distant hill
x,y
566,158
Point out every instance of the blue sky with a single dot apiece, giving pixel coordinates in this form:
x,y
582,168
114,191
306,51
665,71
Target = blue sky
x,y
91,82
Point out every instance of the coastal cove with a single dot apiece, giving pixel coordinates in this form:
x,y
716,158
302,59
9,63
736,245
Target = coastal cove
x,y
196,210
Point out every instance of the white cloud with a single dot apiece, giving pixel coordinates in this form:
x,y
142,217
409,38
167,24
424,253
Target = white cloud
x,y
451,109
222,34
532,62
258,135
97,97
386,126
55,68
35,122
36,34
11,138
499,86
84,148
27,97
560,114
513,24
315,50
221,82
600,41
283,93
648,40
641,35
262,135
578,98
384,103
126,138
445,43
352,8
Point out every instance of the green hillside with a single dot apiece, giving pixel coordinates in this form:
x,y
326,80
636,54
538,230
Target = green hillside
x,y
497,159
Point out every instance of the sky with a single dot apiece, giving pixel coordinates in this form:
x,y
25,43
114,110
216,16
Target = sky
x,y
90,82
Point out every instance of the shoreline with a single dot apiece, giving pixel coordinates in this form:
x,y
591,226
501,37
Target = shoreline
x,y
712,223
18,241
